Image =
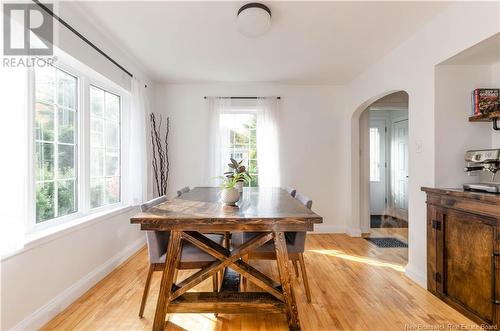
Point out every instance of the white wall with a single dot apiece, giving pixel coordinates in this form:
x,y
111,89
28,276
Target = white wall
x,y
313,138
454,133
496,134
43,278
410,67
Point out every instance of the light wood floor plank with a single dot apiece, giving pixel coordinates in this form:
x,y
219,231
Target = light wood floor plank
x,y
354,285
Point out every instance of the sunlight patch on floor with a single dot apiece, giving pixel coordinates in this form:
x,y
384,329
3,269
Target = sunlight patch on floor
x,y
194,321
359,259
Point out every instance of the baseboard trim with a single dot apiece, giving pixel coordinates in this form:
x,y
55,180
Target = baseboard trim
x,y
320,228
354,232
416,275
48,311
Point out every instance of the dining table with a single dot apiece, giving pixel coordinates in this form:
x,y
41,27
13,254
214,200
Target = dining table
x,y
268,212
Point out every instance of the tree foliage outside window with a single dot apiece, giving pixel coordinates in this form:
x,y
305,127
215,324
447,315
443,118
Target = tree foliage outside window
x,y
55,143
104,148
242,141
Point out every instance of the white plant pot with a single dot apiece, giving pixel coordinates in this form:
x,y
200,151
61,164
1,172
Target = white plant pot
x,y
239,186
230,196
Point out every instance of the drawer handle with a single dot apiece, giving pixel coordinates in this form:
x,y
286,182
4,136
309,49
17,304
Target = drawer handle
x,y
436,225
494,278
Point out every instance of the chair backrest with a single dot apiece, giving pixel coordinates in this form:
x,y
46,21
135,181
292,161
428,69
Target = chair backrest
x,y
183,190
298,239
153,202
157,244
291,190
157,241
305,200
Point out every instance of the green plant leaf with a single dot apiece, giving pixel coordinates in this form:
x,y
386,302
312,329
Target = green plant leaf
x,y
235,163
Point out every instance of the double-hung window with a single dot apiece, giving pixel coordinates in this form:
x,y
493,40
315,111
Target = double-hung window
x,y
104,147
56,100
76,144
239,140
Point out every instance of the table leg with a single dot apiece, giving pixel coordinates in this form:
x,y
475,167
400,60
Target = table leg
x,y
286,284
167,279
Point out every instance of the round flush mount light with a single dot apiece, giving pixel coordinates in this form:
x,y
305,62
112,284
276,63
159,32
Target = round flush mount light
x,y
254,19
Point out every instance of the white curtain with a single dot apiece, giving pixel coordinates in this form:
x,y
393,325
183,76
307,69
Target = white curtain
x,y
15,208
268,158
136,149
216,167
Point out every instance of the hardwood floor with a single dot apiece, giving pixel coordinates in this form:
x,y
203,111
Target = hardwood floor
x,y
354,285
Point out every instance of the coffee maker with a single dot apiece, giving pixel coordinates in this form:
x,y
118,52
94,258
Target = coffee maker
x,y
486,162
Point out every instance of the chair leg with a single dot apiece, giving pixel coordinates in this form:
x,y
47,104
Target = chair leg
x,y
243,280
304,276
146,290
296,268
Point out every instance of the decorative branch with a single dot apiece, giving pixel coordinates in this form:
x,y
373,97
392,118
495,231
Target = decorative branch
x,y
160,161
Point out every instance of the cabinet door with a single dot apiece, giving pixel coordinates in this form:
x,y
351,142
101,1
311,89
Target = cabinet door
x,y
433,220
468,266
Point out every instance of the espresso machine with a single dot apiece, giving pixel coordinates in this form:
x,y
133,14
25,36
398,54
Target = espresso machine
x,y
485,163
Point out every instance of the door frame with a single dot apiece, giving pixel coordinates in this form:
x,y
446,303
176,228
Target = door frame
x,y
376,116
364,211
395,121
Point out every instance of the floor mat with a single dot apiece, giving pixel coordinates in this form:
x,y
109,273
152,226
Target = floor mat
x,y
386,221
386,242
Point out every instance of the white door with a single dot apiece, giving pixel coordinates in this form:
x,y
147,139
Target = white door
x,y
399,151
378,164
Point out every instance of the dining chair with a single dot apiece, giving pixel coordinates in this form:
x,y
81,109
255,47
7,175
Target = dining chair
x,y
291,190
295,243
191,256
183,190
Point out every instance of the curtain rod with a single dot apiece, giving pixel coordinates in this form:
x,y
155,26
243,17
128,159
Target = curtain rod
x,y
78,34
240,97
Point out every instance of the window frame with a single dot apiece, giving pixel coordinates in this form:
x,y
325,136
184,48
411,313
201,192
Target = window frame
x,y
98,85
375,164
85,78
245,110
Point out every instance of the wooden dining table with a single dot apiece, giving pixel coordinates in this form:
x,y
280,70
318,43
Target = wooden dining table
x,y
267,211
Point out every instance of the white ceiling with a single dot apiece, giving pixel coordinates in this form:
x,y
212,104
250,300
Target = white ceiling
x,y
308,43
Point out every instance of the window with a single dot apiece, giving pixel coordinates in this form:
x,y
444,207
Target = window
x,y
374,154
104,147
55,143
75,172
239,141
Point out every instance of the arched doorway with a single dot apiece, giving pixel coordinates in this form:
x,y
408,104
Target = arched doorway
x,y
379,163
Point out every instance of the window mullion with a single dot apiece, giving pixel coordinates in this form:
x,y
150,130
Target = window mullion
x,y
56,145
30,223
84,148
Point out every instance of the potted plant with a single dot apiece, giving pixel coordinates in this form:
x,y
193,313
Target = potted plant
x,y
237,168
230,194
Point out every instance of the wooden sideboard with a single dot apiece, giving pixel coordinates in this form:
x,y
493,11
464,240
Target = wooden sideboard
x,y
463,247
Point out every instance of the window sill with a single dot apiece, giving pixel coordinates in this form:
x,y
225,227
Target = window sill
x,y
41,237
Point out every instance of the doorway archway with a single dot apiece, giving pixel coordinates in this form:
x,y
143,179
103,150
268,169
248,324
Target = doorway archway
x,y
360,160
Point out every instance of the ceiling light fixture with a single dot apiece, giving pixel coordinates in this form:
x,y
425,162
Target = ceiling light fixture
x,y
254,19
